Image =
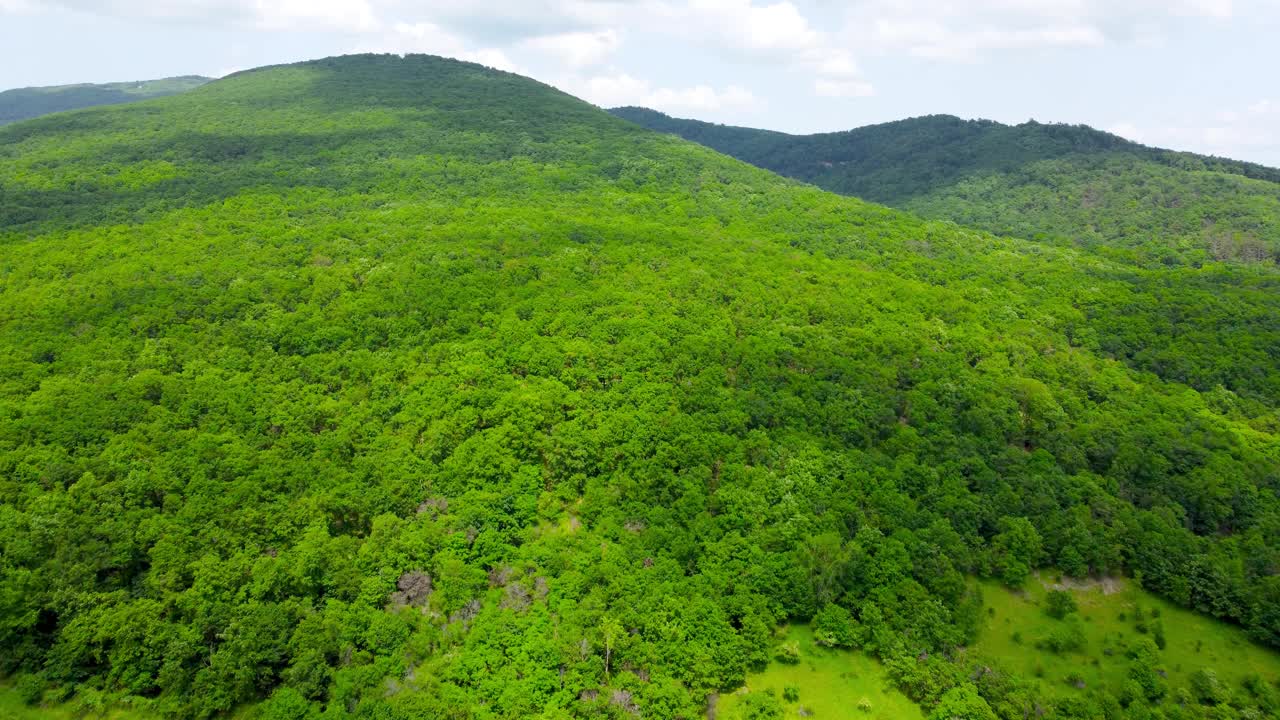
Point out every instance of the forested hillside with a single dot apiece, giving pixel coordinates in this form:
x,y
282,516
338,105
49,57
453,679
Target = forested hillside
x,y
387,387
1067,183
26,103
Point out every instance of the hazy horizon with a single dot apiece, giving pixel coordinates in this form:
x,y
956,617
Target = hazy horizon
x,y
1189,75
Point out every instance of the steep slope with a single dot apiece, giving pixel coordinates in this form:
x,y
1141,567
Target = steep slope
x,y
405,388
26,103
1064,182
1190,318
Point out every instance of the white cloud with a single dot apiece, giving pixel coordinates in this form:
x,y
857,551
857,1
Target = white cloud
x,y
779,26
836,64
223,72
576,49
778,32
843,88
945,30
351,15
1129,131
573,35
405,38
622,89
813,41
935,40
1207,8
1241,133
702,97
346,15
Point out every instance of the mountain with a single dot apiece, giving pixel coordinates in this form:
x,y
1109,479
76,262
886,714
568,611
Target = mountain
x,y
400,387
26,103
1068,183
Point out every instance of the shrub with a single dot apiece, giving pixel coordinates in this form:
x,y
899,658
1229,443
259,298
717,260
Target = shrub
x,y
761,706
1059,604
1157,634
788,653
285,704
1068,637
834,626
30,689
1207,689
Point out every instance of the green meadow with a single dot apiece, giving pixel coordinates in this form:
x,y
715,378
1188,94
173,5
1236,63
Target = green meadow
x,y
1114,616
831,683
12,707
85,706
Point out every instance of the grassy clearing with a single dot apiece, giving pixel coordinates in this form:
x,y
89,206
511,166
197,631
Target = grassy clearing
x,y
831,684
12,707
1016,620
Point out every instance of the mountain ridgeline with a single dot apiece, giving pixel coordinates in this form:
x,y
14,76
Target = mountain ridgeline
x,y
1068,183
383,387
27,103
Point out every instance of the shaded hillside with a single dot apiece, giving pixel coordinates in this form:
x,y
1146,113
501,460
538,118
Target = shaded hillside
x,y
1068,183
26,103
405,388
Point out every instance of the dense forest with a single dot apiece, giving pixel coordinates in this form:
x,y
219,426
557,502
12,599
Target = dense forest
x,y
382,387
1067,183
26,103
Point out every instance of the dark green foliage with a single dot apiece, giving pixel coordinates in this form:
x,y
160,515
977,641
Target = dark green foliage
x,y
761,706
1059,604
1065,637
1145,671
1206,231
1207,689
404,388
1069,182
26,103
962,703
834,626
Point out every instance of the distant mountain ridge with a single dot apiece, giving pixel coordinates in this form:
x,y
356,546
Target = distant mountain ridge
x,y
394,387
1069,182
26,103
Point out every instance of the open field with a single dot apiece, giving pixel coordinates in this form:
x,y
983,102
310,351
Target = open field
x,y
831,684
13,708
1108,614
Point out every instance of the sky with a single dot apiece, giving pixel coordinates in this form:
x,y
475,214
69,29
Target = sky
x,y
1199,75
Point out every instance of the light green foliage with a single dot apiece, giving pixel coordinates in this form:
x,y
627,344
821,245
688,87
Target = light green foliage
x,y
413,389
962,703
762,705
1064,637
834,626
1115,662
1015,550
1207,688
1068,183
829,683
789,653
1197,237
